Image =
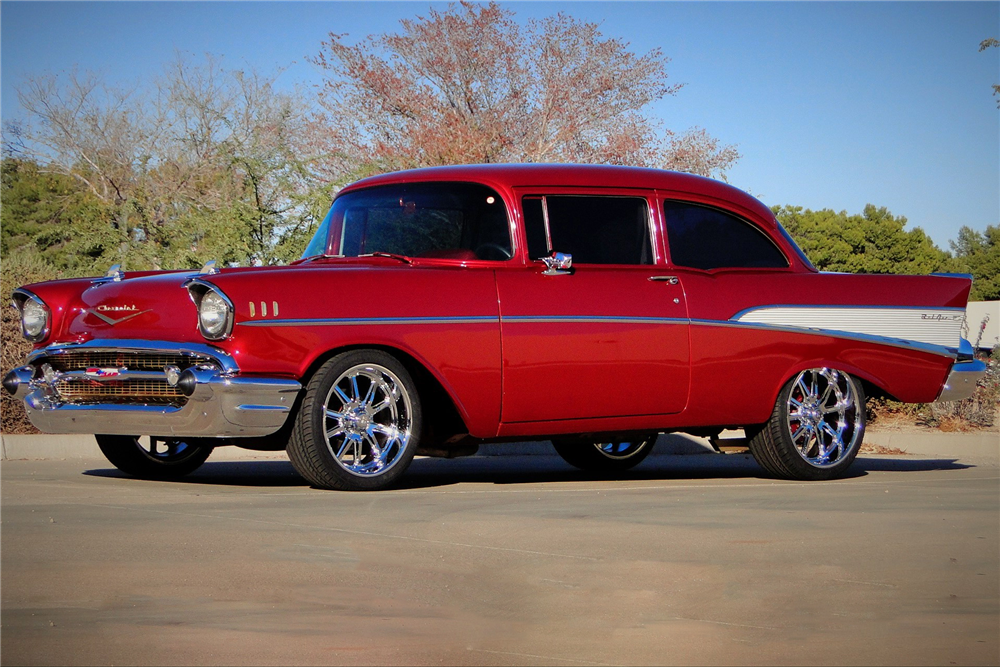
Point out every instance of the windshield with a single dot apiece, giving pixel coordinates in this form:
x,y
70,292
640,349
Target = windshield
x,y
464,221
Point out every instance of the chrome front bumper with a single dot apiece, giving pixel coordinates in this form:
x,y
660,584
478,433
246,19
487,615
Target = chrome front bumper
x,y
962,379
220,404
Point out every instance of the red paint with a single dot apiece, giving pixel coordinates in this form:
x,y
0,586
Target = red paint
x,y
510,375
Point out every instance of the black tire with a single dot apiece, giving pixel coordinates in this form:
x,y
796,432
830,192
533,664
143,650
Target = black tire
x,y
339,422
611,456
155,458
816,428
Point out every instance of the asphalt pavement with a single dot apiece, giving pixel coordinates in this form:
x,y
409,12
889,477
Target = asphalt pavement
x,y
689,559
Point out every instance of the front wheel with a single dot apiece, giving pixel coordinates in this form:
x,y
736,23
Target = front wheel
x,y
154,457
816,428
359,423
612,456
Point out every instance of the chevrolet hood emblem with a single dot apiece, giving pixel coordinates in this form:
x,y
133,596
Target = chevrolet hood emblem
x,y
111,320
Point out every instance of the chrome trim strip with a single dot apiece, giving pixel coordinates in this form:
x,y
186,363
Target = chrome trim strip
x,y
349,321
225,361
849,335
827,305
592,319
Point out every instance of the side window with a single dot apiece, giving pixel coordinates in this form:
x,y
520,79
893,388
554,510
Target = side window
x,y
593,229
707,238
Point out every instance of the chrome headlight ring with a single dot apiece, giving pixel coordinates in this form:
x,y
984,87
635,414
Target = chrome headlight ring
x,y
35,316
215,309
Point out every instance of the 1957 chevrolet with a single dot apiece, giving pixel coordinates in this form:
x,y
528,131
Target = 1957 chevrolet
x,y
437,309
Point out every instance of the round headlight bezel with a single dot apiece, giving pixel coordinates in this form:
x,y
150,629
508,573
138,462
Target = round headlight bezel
x,y
30,306
215,310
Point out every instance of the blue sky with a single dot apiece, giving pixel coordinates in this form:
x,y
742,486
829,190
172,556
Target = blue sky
x,y
833,105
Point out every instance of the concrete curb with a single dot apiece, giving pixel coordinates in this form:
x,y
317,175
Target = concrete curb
x,y
931,443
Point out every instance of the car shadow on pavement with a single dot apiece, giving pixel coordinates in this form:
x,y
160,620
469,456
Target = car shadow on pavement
x,y
226,473
507,470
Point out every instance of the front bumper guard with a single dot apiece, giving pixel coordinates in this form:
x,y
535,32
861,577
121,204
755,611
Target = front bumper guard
x,y
221,403
219,407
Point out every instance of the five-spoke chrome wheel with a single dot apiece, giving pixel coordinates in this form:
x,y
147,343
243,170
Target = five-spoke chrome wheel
x,y
359,422
816,428
610,456
154,457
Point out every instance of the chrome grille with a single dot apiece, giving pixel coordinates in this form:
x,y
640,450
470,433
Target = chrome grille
x,y
134,361
120,388
128,391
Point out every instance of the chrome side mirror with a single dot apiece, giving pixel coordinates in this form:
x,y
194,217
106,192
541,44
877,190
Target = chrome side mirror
x,y
558,264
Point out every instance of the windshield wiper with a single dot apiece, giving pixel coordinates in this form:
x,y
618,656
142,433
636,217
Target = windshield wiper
x,y
392,255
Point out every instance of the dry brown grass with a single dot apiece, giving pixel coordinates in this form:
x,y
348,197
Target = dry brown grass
x,y
17,270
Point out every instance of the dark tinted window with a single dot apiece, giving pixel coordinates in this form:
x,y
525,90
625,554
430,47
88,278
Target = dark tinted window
x,y
707,238
600,230
443,220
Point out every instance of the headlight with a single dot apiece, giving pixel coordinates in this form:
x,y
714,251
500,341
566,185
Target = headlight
x,y
34,315
215,310
213,315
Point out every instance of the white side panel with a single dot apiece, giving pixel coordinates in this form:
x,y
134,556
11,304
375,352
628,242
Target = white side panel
x,y
936,326
979,313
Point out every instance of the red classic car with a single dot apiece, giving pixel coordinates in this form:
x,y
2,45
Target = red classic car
x,y
437,309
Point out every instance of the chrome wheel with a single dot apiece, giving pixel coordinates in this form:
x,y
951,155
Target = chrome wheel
x,y
816,427
368,420
154,457
359,423
824,418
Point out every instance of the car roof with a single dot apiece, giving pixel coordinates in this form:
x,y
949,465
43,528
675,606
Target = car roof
x,y
575,175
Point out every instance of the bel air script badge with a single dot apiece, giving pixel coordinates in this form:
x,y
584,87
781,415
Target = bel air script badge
x,y
938,317
100,311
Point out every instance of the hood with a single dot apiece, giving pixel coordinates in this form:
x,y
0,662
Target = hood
x,y
134,308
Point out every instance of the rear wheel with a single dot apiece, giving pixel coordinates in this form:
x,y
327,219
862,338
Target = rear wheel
x,y
610,456
153,457
816,428
359,423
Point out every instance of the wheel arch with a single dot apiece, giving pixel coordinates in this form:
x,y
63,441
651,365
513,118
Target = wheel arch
x,y
444,415
871,384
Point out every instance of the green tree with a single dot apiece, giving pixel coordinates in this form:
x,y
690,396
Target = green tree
x,y
200,163
872,242
978,253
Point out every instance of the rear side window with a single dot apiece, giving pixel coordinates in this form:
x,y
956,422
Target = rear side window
x,y
706,238
593,229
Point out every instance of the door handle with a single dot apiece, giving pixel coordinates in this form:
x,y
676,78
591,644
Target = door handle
x,y
670,280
